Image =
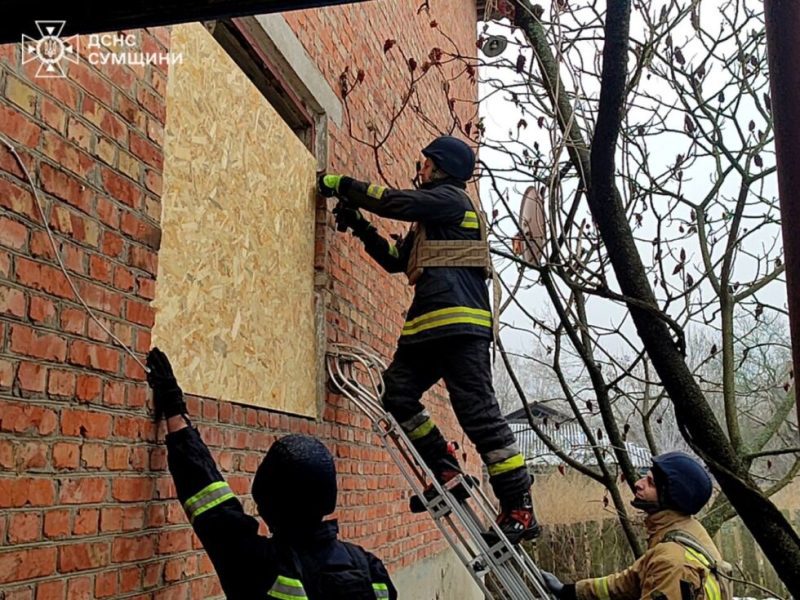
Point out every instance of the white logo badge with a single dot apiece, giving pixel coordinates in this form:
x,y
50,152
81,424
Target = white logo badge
x,y
50,50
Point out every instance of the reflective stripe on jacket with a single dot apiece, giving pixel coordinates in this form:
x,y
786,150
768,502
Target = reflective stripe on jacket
x,y
447,300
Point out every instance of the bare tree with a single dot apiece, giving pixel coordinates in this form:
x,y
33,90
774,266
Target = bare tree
x,y
662,224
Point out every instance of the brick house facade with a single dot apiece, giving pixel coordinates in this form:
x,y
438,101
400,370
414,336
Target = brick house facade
x,y
87,508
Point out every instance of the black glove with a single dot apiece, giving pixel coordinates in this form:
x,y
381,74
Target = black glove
x,y
553,583
328,184
167,395
352,218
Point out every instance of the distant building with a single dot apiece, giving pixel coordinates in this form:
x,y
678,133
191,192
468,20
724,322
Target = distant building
x,y
567,435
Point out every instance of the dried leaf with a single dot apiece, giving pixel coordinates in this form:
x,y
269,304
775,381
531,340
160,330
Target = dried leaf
x,y
412,64
599,434
758,161
751,125
767,102
520,66
679,56
678,268
360,75
540,122
713,350
688,124
522,124
434,24
562,470
388,45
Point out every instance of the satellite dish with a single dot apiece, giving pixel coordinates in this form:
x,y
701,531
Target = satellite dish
x,y
530,242
494,46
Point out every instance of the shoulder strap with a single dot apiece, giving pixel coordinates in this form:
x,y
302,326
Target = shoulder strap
x,y
687,540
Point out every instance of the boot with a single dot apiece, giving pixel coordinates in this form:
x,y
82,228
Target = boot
x,y
517,521
459,492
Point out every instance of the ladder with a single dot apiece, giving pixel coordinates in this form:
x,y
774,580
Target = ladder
x,y
502,571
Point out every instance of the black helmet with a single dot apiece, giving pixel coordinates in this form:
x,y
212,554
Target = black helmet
x,y
295,485
682,484
452,156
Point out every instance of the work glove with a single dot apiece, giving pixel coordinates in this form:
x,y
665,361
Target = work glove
x,y
167,395
328,185
352,218
553,583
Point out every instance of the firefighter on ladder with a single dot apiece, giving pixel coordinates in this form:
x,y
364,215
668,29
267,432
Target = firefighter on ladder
x,y
681,562
294,488
449,325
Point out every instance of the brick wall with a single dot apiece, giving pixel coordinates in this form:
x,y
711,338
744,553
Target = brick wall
x,y
87,507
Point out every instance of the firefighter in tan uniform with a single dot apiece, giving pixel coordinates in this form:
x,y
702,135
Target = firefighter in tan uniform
x,y
681,561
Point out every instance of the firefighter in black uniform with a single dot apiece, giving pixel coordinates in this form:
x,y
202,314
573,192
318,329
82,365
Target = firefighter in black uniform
x,y
294,488
448,328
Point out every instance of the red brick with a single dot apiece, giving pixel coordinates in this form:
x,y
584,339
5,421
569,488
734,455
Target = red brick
x,y
86,521
65,455
42,277
114,393
154,182
89,388
132,489
67,155
110,519
140,312
60,88
7,462
12,301
100,269
85,490
24,418
19,565
117,458
79,133
85,424
25,491
79,588
18,200
151,102
144,259
24,527
73,320
94,356
112,244
82,556
140,230
126,549
148,152
31,377
51,590
30,342
31,456
92,456
12,233
130,579
42,310
89,80
107,212
121,188
147,288
105,585
172,542
19,127
123,279
56,523
40,246
63,186
61,383
53,115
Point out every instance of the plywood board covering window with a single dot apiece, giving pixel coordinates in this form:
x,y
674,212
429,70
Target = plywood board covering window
x,y
235,295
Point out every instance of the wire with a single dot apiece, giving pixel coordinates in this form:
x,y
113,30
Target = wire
x,y
61,262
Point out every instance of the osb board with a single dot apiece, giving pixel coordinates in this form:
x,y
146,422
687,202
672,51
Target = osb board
x,y
234,298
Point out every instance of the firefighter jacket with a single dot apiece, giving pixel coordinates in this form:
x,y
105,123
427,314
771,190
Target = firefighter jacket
x,y
447,300
312,566
668,570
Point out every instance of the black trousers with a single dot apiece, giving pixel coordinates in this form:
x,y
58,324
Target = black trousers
x,y
463,362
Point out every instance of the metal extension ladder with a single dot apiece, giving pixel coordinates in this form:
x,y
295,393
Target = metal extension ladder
x,y
502,571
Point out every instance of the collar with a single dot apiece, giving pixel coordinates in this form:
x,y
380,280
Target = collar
x,y
322,533
446,181
659,523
